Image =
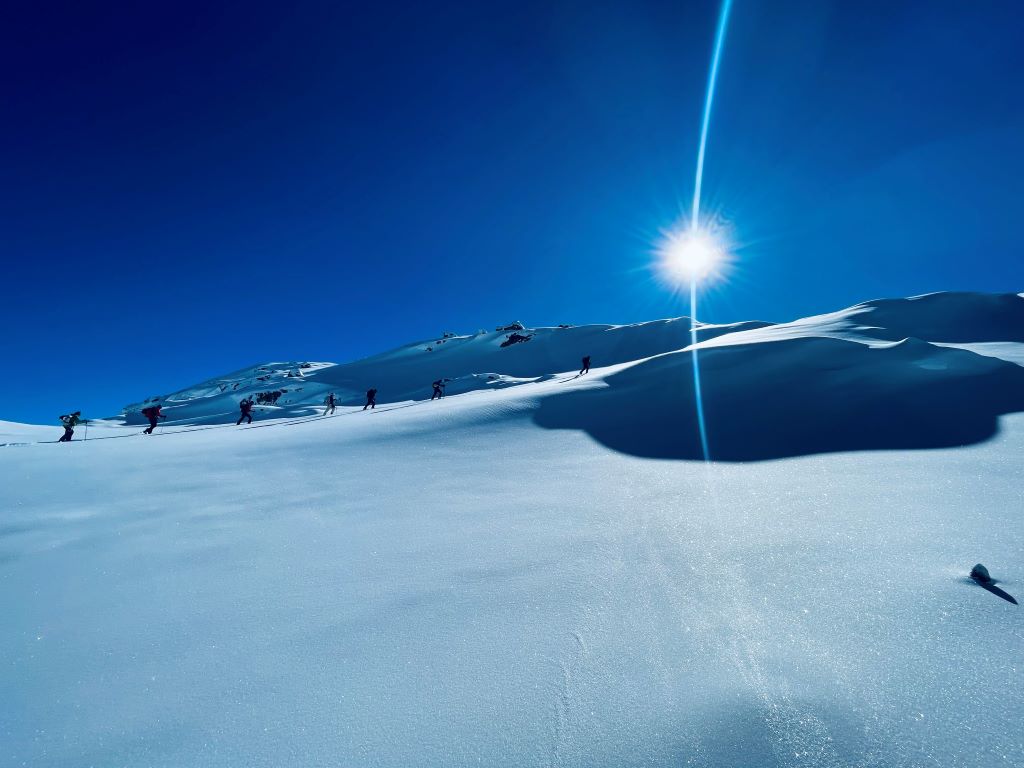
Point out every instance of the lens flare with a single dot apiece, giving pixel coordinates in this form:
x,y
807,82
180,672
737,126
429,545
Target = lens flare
x,y
692,255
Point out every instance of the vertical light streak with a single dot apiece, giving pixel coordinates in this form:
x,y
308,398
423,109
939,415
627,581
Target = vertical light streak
x,y
716,56
709,97
698,399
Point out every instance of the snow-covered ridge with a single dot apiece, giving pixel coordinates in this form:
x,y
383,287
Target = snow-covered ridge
x,y
468,362
951,318
876,368
926,372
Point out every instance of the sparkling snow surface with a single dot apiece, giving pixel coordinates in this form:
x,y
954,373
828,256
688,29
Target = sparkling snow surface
x,y
450,583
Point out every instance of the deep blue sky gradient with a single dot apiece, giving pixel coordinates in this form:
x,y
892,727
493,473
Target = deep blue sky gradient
x,y
189,188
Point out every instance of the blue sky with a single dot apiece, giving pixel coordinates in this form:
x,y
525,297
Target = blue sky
x,y
191,188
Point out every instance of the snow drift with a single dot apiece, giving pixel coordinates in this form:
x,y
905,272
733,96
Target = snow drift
x,y
796,396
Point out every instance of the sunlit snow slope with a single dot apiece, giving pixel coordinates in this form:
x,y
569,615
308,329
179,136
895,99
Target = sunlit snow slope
x,y
468,362
538,570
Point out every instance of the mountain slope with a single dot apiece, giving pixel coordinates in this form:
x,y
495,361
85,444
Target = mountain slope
x,y
929,371
470,363
452,584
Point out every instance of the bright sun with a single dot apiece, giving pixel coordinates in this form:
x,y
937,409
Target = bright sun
x,y
691,255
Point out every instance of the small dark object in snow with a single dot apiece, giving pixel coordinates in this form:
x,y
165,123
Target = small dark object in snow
x,y
981,577
980,573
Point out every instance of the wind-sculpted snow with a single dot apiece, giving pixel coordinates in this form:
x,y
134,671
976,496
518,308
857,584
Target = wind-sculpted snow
x,y
949,317
794,397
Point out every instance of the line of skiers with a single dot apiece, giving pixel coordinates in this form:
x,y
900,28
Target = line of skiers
x,y
153,413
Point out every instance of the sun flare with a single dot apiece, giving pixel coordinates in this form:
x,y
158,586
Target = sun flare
x,y
692,255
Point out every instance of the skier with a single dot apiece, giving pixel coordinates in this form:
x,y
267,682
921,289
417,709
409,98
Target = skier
x,y
438,389
69,421
152,413
330,404
371,399
246,408
586,366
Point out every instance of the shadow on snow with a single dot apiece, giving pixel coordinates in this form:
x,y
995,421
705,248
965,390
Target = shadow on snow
x,y
796,397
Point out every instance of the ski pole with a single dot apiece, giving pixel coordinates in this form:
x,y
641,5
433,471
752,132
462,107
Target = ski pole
x,y
86,430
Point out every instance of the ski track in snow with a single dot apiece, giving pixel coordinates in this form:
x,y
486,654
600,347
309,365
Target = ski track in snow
x,y
800,738
563,741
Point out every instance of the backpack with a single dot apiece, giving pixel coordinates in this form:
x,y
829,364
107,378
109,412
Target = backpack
x,y
149,412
